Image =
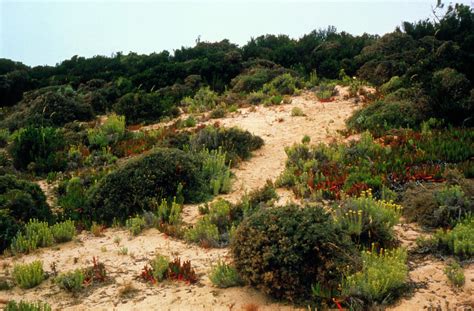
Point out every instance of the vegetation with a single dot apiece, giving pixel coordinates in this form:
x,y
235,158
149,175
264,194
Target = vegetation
x,y
13,305
455,274
71,281
161,268
28,275
275,250
224,275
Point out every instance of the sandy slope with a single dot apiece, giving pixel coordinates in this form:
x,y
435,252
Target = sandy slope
x,y
279,129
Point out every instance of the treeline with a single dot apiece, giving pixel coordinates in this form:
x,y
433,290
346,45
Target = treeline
x,y
434,58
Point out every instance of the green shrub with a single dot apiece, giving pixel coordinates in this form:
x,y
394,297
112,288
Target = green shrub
x,y
73,199
39,149
108,133
168,212
190,122
254,78
392,85
284,84
224,275
28,275
368,220
203,232
71,281
135,225
36,234
236,143
204,100
216,170
383,274
129,189
63,231
256,98
284,250
297,112
253,202
4,137
12,305
159,266
455,274
458,241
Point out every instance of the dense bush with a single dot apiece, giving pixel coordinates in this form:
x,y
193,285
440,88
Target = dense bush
x,y
285,250
20,201
236,143
40,149
129,189
285,84
204,100
108,133
459,241
51,106
70,281
254,78
142,107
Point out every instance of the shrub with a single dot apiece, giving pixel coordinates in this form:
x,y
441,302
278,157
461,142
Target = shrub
x,y
28,275
168,212
284,250
297,112
71,281
129,189
203,232
392,85
236,143
63,231
284,84
159,266
224,275
135,225
108,133
4,137
368,220
12,305
458,241
455,274
256,98
40,149
253,202
145,107
95,273
218,112
204,100
36,234
190,122
254,78
216,170
74,198
383,274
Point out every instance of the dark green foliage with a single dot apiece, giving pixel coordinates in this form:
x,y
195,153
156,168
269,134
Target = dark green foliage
x,y
71,281
145,107
53,106
237,144
128,190
40,149
20,200
284,250
253,79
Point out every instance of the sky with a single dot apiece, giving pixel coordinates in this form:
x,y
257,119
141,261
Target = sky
x,y
42,32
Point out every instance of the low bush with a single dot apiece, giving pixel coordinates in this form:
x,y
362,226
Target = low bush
x,y
13,305
71,281
284,84
129,189
224,275
141,107
368,220
215,169
135,225
252,202
40,149
161,268
168,212
63,231
236,143
254,78
108,133
204,100
96,273
297,112
459,241
28,275
455,274
284,250
72,198
35,234
203,232
383,274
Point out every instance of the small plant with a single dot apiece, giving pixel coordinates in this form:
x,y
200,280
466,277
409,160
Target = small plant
x,y
71,281
458,241
97,230
182,271
297,112
224,275
12,305
135,225
127,290
190,122
383,273
63,231
455,274
5,284
28,275
306,139
96,273
123,251
117,240
204,232
159,266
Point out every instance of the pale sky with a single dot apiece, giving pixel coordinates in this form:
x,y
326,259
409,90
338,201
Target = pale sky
x,y
38,32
